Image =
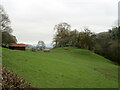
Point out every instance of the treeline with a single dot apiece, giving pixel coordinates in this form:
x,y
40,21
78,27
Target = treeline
x,y
106,44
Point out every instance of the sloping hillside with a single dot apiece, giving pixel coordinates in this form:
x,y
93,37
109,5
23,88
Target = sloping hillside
x,y
62,68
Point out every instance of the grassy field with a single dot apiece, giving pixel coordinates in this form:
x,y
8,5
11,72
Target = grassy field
x,y
72,68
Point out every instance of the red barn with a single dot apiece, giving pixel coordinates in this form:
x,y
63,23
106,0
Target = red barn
x,y
17,46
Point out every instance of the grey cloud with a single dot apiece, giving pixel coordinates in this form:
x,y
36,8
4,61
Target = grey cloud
x,y
35,19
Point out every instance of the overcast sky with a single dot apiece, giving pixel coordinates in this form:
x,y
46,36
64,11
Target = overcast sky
x,y
34,20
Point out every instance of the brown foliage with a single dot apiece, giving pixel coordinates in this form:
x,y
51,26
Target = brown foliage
x,y
11,80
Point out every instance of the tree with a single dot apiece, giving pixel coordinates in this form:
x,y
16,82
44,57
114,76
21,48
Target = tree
x,y
73,37
65,37
61,38
108,44
85,39
4,21
5,29
8,38
40,46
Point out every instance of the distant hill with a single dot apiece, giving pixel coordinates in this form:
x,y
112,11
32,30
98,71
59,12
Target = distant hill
x,y
30,46
49,46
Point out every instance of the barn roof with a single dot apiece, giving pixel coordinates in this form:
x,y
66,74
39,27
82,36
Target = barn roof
x,y
18,45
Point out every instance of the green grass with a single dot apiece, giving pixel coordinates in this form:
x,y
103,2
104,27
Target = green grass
x,y
73,68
